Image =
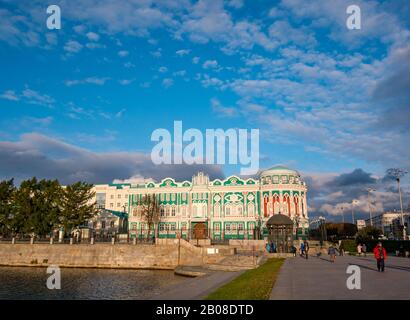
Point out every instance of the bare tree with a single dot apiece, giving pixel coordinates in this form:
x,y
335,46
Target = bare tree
x,y
150,211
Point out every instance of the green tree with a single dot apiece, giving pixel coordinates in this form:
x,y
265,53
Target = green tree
x,y
77,206
47,207
368,233
36,207
7,193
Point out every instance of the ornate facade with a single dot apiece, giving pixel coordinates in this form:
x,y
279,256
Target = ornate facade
x,y
232,208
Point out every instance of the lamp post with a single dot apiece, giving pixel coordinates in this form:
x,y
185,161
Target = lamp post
x,y
353,203
368,203
397,174
343,216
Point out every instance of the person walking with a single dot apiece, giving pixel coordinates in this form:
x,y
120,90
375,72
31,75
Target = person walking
x,y
293,250
380,255
306,249
302,249
359,249
268,247
364,249
332,253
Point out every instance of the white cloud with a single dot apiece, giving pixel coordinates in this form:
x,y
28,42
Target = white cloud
x,y
210,64
182,52
73,46
123,53
168,82
126,82
10,95
29,96
90,80
92,36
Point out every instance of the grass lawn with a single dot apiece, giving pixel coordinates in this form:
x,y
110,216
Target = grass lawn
x,y
255,284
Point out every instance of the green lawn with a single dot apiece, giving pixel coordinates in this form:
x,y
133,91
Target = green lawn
x,y
255,284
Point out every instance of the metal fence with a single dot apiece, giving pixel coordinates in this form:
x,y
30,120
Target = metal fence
x,y
114,239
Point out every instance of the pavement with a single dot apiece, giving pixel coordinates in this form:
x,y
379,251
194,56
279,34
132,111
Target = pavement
x,y
319,279
197,288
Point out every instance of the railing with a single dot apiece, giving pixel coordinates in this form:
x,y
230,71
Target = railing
x,y
98,239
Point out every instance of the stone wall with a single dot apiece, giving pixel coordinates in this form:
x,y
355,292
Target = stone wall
x,y
166,255
248,245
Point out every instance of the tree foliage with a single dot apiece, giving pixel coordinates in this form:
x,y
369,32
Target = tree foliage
x,y
39,207
7,193
77,206
368,233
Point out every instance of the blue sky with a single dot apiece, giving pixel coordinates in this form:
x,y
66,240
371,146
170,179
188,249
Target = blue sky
x,y
82,102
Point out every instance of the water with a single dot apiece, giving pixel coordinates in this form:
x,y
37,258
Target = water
x,y
79,283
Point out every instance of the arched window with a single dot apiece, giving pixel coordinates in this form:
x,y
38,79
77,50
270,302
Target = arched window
x,y
173,211
228,210
162,211
296,202
251,209
239,210
204,211
217,210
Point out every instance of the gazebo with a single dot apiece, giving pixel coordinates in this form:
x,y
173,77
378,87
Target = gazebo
x,y
280,228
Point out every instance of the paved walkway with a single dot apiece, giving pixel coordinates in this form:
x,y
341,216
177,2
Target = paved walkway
x,y
318,278
198,288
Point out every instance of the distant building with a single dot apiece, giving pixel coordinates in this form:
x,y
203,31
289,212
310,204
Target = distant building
x,y
385,222
398,227
360,224
108,223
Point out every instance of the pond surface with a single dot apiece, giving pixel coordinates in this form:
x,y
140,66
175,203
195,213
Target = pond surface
x,y
84,283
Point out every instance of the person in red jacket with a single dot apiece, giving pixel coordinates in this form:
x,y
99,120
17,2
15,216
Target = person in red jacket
x,y
380,255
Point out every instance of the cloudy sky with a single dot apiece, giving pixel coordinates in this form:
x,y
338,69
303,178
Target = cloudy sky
x,y
333,103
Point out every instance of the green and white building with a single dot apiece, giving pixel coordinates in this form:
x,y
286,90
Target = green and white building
x,y
232,208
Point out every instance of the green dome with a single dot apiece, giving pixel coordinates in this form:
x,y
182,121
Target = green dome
x,y
279,169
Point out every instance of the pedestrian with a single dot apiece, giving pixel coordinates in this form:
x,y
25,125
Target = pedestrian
x,y
293,250
302,249
332,253
364,249
271,247
359,249
268,247
380,255
306,248
341,249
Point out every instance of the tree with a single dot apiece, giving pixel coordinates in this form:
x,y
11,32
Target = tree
x,y
150,211
368,233
36,207
77,206
47,201
337,231
7,193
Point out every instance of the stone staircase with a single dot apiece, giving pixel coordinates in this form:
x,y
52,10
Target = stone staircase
x,y
236,263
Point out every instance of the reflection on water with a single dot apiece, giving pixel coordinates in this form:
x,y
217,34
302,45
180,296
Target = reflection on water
x,y
79,283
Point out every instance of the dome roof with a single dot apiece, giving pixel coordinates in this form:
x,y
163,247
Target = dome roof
x,y
279,169
279,220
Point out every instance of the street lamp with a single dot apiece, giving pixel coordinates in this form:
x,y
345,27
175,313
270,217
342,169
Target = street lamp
x,y
397,174
343,216
368,203
353,203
